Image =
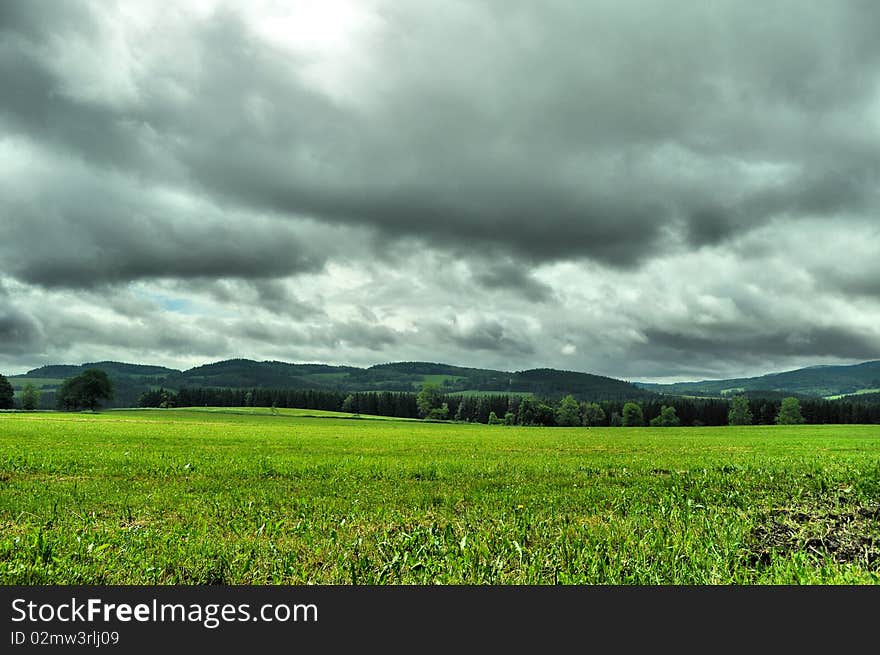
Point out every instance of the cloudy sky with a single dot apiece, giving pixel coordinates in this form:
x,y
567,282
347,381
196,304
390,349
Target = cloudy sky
x,y
649,190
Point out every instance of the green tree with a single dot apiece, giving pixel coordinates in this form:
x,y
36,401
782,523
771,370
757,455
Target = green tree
x,y
789,412
7,394
593,414
569,412
85,391
509,418
430,398
739,413
493,419
545,414
30,397
483,410
348,405
632,415
160,397
667,419
166,399
527,413
439,413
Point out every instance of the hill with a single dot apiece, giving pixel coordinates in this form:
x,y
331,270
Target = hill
x,y
812,381
245,373
402,376
111,368
131,380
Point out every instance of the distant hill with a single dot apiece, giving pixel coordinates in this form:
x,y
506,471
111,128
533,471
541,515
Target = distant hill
x,y
821,381
860,381
246,373
111,368
131,380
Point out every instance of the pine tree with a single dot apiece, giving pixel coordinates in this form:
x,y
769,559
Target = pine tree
x,y
7,394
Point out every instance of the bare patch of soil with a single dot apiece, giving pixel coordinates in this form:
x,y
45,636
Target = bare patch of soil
x,y
845,531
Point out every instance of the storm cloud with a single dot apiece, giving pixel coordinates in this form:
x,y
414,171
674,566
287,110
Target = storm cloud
x,y
644,190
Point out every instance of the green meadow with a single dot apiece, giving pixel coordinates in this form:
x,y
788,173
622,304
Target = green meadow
x,y
248,496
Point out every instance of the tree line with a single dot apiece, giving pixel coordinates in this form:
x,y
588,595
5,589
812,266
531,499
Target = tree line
x,y
518,409
92,389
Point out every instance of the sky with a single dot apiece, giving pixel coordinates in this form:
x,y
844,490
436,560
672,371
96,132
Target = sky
x,y
647,190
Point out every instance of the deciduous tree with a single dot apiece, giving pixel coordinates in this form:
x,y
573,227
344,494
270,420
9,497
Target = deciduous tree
x,y
740,414
349,405
30,397
85,391
790,412
667,418
569,412
430,398
632,415
593,414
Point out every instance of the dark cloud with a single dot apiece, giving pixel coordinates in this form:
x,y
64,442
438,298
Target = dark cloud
x,y
514,277
361,335
483,335
84,231
19,333
580,184
276,297
354,335
855,283
563,131
272,295
727,344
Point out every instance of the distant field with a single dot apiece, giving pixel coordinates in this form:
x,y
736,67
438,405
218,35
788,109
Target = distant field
x,y
267,412
476,392
19,383
860,392
213,496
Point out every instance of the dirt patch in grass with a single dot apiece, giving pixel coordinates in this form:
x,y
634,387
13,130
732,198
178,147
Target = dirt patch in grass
x,y
846,531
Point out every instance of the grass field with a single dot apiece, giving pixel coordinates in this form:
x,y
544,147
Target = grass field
x,y
854,395
246,497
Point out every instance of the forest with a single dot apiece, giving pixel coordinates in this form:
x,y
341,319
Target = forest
x,y
514,409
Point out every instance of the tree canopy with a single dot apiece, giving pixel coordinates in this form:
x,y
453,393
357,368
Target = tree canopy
x,y
7,394
667,418
593,414
30,397
790,412
85,391
740,414
632,415
568,412
430,398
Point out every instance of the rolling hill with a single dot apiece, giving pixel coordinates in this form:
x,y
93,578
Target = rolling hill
x,y
131,380
821,381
